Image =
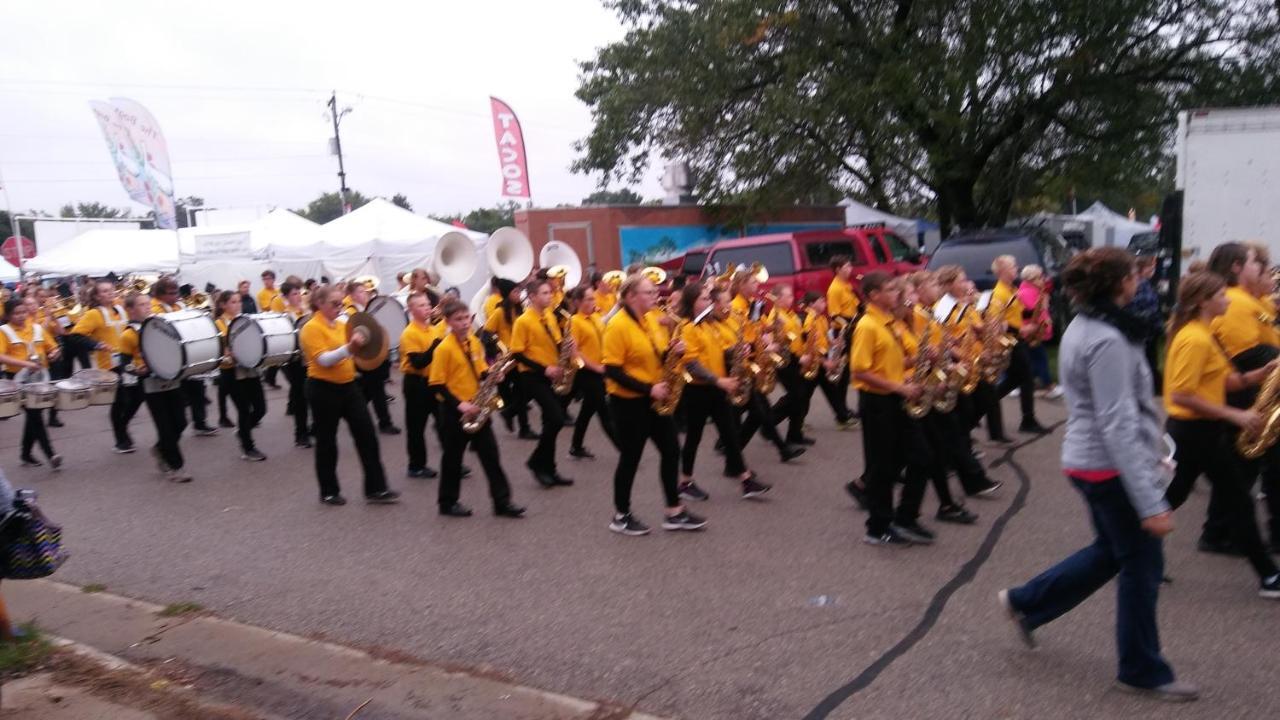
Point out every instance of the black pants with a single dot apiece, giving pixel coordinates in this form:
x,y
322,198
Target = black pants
x,y
123,408
167,415
1153,361
226,378
296,373
193,393
1204,448
419,406
269,377
760,417
373,383
330,403
895,450
537,387
514,403
949,440
1019,376
251,407
590,387
707,401
793,406
34,431
984,402
454,442
635,416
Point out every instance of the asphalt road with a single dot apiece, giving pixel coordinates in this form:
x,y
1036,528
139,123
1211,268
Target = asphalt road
x,y
777,611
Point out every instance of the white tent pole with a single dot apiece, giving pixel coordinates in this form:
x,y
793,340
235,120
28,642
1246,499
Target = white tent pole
x,y
14,225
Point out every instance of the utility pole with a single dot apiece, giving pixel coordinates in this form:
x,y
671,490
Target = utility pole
x,y
337,150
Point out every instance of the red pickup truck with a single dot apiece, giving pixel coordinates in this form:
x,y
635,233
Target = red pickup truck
x,y
803,259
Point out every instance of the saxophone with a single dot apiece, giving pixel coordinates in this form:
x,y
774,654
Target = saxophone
x,y
835,351
954,375
997,346
742,369
487,397
765,365
1252,445
568,360
814,366
674,375
927,375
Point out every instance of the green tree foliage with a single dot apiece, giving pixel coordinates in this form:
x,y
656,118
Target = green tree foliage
x,y
964,105
94,210
625,196
329,206
399,200
486,220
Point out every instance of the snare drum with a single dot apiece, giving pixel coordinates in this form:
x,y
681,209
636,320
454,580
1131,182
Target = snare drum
x,y
74,394
10,399
181,344
101,384
391,314
39,395
263,340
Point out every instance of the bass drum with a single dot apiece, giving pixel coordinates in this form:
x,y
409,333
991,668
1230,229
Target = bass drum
x,y
263,340
180,345
392,316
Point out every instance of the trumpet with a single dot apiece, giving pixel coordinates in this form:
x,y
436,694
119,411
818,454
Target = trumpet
x,y
613,279
655,274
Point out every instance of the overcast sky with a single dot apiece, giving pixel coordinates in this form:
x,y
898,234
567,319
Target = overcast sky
x,y
240,89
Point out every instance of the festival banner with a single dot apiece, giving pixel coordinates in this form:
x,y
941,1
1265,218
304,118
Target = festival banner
x,y
511,156
140,154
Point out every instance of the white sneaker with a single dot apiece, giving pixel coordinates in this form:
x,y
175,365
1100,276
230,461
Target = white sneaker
x,y
1055,393
1016,392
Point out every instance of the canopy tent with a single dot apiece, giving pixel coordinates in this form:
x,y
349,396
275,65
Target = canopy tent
x,y
280,233
1110,227
922,232
8,273
98,252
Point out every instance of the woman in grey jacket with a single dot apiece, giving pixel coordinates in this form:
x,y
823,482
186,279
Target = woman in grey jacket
x,y
1111,455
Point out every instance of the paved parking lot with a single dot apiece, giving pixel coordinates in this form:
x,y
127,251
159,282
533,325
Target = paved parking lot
x,y
777,611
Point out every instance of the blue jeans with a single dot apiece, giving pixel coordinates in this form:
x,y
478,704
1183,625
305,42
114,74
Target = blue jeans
x,y
1040,365
1121,548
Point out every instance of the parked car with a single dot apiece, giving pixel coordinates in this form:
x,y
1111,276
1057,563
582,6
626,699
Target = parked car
x,y
976,250
803,259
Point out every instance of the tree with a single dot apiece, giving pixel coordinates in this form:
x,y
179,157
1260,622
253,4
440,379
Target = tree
x,y
966,106
399,200
486,220
94,210
625,196
6,226
329,206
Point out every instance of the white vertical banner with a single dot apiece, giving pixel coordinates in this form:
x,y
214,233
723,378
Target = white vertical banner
x,y
140,154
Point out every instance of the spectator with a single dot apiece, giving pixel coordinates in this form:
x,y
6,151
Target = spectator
x,y
1031,292
1146,307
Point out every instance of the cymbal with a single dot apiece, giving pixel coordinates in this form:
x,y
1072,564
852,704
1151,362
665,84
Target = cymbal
x,y
371,354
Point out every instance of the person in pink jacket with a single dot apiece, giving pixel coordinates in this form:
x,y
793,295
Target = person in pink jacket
x,y
1030,292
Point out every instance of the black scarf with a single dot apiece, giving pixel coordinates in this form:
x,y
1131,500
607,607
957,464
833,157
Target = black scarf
x,y
1129,324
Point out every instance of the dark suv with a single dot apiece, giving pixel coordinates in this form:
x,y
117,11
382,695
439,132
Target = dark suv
x,y
975,250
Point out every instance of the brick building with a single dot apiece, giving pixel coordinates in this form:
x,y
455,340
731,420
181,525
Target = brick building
x,y
612,236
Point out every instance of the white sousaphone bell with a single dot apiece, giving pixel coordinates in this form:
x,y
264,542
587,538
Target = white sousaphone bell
x,y
557,253
454,259
509,254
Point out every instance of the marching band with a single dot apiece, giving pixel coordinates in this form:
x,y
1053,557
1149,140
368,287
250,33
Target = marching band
x,y
929,356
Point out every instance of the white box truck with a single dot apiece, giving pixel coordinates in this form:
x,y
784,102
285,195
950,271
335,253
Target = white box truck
x,y
1228,169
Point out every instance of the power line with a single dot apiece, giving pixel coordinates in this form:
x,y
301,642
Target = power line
x,y
176,161
242,176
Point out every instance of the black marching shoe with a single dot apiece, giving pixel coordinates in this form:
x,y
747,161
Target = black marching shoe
x,y
386,497
422,472
336,500
527,434
857,492
457,510
206,430
581,453
957,514
752,488
55,422
466,472
691,491
545,479
223,422
29,461
988,490
302,442
253,455
561,480
888,538
802,440
1031,427
388,429
790,452
915,532
510,510
1218,547
628,525
683,520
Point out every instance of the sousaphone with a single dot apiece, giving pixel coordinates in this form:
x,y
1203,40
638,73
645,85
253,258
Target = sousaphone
x,y
454,259
509,254
374,351
558,254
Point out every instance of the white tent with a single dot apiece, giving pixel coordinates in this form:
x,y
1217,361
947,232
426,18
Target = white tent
x,y
855,213
98,252
1110,227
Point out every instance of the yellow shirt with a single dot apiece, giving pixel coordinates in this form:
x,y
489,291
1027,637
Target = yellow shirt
x,y
817,325
536,337
605,300
160,308
1270,332
102,324
1003,297
660,332
223,323
922,321
588,333
457,370
702,344
1245,324
632,346
318,336
491,305
26,345
267,300
417,338
792,336
277,304
557,297
877,349
129,342
496,323
1195,365
842,301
